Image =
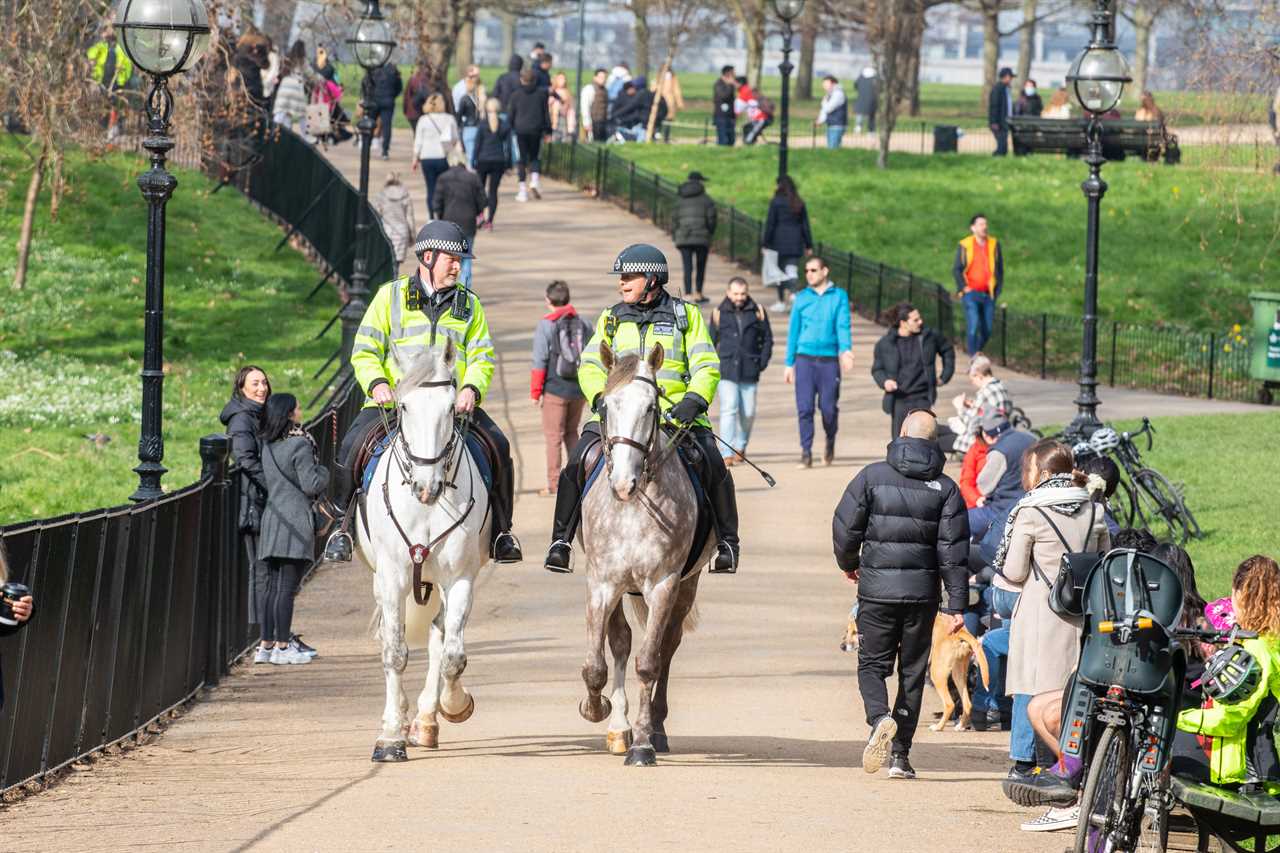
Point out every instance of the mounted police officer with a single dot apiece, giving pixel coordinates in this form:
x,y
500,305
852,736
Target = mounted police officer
x,y
413,313
688,378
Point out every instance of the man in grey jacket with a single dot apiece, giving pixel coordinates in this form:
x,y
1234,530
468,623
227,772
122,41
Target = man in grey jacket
x,y
834,112
553,384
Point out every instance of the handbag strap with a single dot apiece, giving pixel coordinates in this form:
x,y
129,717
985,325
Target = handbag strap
x,y
291,480
1093,511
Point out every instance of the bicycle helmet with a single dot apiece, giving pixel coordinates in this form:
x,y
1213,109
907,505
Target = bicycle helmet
x,y
643,258
1104,440
1230,675
1082,450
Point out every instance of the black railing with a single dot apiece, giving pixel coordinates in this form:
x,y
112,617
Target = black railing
x,y
1167,359
139,607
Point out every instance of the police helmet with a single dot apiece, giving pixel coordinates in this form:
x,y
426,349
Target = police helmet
x,y
1231,675
642,258
441,236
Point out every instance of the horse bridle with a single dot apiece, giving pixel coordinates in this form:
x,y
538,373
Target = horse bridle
x,y
401,451
646,449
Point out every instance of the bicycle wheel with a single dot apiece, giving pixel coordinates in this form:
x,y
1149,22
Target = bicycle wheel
x,y
1125,506
1104,791
1153,830
1161,506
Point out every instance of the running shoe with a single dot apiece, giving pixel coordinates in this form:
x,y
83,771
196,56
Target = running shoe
x,y
1054,820
877,748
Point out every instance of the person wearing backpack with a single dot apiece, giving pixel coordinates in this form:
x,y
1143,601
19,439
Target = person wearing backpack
x,y
744,340
557,351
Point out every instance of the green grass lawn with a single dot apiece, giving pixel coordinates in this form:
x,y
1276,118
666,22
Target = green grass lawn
x,y
1230,467
1179,244
71,341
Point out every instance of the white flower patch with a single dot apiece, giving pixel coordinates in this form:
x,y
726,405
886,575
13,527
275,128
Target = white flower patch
x,y
52,390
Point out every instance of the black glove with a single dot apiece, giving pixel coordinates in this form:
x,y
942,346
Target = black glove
x,y
688,409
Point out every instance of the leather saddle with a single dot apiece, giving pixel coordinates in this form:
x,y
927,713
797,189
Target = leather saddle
x,y
373,446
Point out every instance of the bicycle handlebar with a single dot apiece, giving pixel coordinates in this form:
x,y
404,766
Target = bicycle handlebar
x,y
1147,429
1213,635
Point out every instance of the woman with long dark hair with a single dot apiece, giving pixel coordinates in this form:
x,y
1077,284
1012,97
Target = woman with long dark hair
x,y
786,231
294,478
242,419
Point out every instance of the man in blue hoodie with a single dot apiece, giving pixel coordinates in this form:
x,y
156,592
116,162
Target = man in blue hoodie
x,y
819,349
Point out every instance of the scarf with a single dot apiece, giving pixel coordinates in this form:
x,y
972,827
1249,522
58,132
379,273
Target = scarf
x,y
1059,493
297,430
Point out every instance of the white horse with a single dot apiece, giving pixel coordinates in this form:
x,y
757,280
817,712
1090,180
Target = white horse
x,y
426,494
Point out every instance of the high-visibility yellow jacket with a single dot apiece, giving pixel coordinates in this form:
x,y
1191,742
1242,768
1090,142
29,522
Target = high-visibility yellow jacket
x,y
690,364
1228,726
97,54
404,314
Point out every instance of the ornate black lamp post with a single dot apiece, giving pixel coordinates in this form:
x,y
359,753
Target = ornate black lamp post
x,y
1097,79
163,38
787,11
372,44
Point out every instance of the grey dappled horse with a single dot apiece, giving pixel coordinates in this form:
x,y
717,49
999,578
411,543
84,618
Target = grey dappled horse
x,y
636,532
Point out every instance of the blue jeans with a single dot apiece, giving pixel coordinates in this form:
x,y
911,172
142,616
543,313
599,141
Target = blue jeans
x,y
725,131
835,134
1022,738
979,318
817,377
995,645
737,413
981,518
469,135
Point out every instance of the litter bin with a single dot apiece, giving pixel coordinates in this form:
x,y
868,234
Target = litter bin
x,y
946,139
1265,363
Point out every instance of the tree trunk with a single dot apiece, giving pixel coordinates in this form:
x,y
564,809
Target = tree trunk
x,y
893,27
640,32
29,217
1027,44
437,24
56,187
808,45
466,46
913,69
508,35
1143,21
755,50
990,50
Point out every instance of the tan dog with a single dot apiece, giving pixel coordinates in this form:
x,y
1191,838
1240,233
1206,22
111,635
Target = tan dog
x,y
948,659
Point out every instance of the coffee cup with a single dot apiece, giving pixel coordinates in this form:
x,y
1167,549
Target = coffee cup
x,y
10,593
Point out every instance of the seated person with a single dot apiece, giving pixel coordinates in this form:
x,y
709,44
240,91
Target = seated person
x,y
991,396
975,456
1000,480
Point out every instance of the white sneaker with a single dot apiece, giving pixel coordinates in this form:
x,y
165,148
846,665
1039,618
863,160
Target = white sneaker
x,y
1053,820
288,656
522,196
779,307
877,748
262,655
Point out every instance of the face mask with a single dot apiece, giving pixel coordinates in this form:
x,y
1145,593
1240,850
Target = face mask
x,y
1029,90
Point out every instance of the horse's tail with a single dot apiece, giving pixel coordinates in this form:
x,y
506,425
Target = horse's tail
x,y
638,612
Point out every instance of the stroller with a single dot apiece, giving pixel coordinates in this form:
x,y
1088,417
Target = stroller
x,y
327,121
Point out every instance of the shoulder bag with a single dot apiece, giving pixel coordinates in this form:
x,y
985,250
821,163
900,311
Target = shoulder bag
x,y
1066,592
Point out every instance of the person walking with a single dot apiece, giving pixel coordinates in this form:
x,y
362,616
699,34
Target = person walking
x,y
819,349
294,479
416,94
290,105
999,108
786,232
436,136
111,70
594,108
469,81
558,341
723,94
531,121
242,419
492,154
864,108
394,207
387,86
979,276
905,365
693,224
744,341
900,534
834,112
469,107
508,82
460,199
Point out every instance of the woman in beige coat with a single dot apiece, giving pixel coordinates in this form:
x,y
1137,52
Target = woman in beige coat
x,y
1042,645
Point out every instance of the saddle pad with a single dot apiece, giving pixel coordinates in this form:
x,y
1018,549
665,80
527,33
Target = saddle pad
x,y
473,446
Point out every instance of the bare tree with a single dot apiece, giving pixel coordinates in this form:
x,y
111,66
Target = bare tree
x,y
640,33
1027,43
991,33
893,29
1142,14
810,20
752,17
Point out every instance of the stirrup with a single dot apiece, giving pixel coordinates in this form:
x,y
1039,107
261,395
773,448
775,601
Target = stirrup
x,y
566,569
515,555
338,547
723,548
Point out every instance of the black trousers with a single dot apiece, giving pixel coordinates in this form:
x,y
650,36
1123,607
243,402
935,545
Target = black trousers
x,y
600,130
491,176
275,599
386,115
691,257
503,497
711,470
903,406
530,149
889,633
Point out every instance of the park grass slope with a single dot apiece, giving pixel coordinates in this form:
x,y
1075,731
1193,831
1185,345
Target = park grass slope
x,y
71,340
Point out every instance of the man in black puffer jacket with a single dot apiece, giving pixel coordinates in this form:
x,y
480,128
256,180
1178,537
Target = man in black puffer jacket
x,y
900,532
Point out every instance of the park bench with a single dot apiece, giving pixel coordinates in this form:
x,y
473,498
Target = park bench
x,y
1237,817
1149,140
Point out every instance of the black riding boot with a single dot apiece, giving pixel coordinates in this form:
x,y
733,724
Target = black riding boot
x,y
506,548
339,546
566,522
724,503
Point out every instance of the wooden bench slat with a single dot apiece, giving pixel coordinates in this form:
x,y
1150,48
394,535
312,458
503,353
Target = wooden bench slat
x,y
1256,807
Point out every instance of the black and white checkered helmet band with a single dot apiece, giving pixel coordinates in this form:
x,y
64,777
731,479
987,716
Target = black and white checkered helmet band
x,y
453,247
638,266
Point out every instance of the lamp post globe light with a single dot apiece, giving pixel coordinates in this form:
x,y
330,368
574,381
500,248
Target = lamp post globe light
x,y
787,11
372,43
1097,79
162,38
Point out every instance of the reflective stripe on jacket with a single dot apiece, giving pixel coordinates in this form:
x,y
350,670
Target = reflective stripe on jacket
x,y
390,320
690,363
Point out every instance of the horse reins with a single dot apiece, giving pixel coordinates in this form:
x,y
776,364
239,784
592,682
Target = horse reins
x,y
650,462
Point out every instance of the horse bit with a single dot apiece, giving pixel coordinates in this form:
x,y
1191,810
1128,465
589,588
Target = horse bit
x,y
650,463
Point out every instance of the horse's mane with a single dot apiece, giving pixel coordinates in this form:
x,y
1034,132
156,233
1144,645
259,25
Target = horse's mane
x,y
624,370
426,367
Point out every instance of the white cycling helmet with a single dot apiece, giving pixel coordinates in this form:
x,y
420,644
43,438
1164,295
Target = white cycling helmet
x,y
1104,440
1082,450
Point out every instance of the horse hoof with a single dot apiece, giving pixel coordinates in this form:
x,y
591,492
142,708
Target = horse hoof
x,y
424,734
463,715
659,741
618,742
640,756
393,751
602,709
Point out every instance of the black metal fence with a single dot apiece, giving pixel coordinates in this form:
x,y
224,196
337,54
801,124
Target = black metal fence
x,y
1166,359
138,607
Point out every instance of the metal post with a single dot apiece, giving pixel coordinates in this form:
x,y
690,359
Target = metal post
x,y
213,457
1086,420
157,187
1213,353
1115,331
1044,345
786,69
631,187
358,293
577,85
1004,337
